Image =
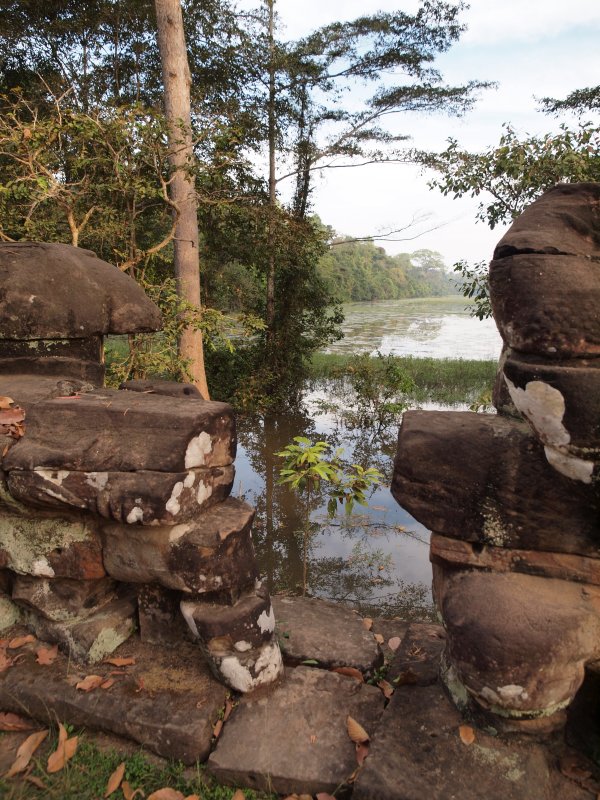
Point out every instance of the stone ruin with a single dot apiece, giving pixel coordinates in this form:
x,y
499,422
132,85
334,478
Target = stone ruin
x,y
512,499
114,504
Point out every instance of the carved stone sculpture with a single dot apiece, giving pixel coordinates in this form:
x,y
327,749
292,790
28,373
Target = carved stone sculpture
x,y
512,500
114,504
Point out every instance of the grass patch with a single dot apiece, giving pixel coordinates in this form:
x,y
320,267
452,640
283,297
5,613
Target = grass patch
x,y
436,380
86,775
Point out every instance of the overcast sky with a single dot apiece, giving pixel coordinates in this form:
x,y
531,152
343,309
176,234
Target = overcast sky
x,y
532,48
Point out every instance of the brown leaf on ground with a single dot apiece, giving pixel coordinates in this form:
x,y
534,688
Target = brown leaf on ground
x,y
367,623
237,795
576,768
386,688
356,732
11,416
19,641
350,672
217,728
24,753
46,655
65,750
166,794
193,797
394,643
107,683
129,793
115,780
119,662
89,683
6,402
467,734
140,685
362,751
228,709
378,638
5,661
13,722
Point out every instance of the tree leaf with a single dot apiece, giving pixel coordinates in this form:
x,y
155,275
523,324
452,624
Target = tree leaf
x,y
115,779
129,793
217,728
378,638
19,641
356,732
119,662
166,794
237,795
89,683
394,643
65,750
386,688
362,751
46,655
13,722
367,623
24,753
467,734
107,683
36,782
6,402
350,672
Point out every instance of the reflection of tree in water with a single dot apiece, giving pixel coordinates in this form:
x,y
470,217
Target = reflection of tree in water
x,y
366,578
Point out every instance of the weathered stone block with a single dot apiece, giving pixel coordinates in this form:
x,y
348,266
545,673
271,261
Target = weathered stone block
x,y
56,291
160,619
10,613
62,599
518,643
93,638
108,431
486,479
167,388
209,554
143,497
547,305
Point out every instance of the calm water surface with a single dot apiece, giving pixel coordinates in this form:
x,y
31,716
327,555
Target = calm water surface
x,y
376,560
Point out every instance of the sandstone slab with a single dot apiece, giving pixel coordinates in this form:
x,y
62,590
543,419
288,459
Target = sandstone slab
x,y
107,430
212,553
167,388
167,702
310,629
417,660
160,620
293,737
62,599
491,484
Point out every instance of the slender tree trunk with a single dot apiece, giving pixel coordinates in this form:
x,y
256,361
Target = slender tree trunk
x,y
176,81
270,309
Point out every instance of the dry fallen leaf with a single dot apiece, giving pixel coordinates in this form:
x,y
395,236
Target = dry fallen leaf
x,y
386,688
394,642
119,662
19,641
362,751
313,738
228,709
89,683
166,794
115,779
237,795
36,782
5,661
24,753
13,722
350,672
367,623
107,683
378,638
467,734
356,732
6,402
217,728
129,793
65,750
46,655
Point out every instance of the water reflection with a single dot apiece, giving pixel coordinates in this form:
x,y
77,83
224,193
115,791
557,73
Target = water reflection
x,y
376,561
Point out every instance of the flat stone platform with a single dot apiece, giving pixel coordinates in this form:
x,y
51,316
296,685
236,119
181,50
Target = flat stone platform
x,y
292,737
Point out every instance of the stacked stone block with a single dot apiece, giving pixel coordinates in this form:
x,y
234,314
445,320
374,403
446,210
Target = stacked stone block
x,y
114,504
512,500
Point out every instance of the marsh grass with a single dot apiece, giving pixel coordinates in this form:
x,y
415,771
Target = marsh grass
x,y
86,775
445,381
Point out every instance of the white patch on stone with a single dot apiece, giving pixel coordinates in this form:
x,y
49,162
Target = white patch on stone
x,y
31,298
52,476
97,480
203,493
544,407
268,668
172,505
197,450
571,466
242,646
177,531
266,621
490,695
135,515
187,609
512,692
41,568
189,480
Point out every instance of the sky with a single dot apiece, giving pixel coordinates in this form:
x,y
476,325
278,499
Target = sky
x,y
531,48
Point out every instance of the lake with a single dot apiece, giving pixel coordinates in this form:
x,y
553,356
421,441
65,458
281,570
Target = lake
x,y
377,559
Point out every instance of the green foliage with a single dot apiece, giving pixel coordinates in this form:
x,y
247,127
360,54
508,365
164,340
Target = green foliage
x,y
474,285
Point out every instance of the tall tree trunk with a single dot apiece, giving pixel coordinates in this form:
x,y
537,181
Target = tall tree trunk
x,y
270,309
176,81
